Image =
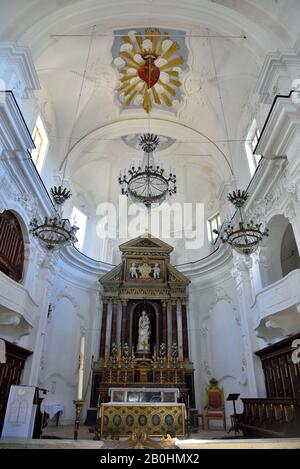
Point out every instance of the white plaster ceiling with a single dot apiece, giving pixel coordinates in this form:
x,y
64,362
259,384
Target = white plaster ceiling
x,y
83,117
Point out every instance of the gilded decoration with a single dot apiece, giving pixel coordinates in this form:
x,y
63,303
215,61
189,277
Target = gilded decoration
x,y
145,271
150,65
156,420
147,286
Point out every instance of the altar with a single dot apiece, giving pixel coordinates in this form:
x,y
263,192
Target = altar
x,y
154,411
133,395
159,419
143,375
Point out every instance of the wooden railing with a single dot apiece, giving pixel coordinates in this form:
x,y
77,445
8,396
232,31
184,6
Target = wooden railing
x,y
278,417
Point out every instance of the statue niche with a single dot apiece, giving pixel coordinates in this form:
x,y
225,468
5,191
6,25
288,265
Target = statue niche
x,y
144,330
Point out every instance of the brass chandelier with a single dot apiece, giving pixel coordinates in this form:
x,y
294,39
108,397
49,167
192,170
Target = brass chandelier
x,y
246,237
147,182
55,232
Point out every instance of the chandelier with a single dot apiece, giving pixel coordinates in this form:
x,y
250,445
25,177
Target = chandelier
x,y
246,237
147,183
55,232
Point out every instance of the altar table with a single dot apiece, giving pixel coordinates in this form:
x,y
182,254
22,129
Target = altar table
x,y
157,419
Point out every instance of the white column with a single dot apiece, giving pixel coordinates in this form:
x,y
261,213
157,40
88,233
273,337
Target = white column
x,y
241,275
44,280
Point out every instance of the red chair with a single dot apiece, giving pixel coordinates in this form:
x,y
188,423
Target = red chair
x,y
214,408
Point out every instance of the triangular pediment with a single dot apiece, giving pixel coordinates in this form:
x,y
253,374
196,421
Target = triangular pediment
x,y
146,242
113,277
176,277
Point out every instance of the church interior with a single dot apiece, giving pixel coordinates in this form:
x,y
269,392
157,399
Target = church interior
x,y
158,303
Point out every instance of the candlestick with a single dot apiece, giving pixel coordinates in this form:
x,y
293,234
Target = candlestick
x,y
78,406
80,375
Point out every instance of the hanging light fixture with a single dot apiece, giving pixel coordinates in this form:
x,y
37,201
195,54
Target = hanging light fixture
x,y
55,232
245,238
147,182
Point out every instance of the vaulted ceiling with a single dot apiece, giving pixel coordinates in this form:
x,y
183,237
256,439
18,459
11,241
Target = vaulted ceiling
x,y
225,44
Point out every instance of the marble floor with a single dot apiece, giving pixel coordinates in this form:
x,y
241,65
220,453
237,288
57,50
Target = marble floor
x,y
62,437
67,432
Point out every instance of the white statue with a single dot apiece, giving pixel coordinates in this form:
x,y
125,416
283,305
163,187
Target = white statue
x,y
133,270
144,333
156,271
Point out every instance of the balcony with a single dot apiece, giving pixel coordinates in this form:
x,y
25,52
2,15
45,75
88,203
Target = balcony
x,y
276,309
17,309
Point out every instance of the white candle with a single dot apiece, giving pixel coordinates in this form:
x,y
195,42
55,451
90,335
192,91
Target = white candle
x,y
80,377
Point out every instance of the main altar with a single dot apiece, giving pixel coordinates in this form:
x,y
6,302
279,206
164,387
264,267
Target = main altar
x,y
144,340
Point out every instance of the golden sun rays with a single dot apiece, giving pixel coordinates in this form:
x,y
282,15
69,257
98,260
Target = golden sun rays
x,y
149,69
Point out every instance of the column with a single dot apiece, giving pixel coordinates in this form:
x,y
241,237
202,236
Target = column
x,y
164,336
185,339
241,274
157,330
103,328
174,322
45,277
123,323
114,322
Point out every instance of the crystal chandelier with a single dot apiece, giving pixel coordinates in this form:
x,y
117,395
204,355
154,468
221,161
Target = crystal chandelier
x,y
246,237
55,232
147,183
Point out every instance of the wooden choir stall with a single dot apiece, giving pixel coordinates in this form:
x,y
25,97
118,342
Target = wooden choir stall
x,y
143,343
277,415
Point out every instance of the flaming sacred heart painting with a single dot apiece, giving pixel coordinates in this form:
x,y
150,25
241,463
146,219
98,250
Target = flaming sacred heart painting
x,y
150,66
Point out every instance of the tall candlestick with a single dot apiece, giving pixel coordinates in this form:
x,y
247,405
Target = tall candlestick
x,y
81,363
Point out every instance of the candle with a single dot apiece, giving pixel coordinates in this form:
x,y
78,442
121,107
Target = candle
x,y
80,377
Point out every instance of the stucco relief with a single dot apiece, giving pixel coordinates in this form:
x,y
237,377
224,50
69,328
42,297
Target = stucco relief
x,y
281,198
219,329
63,336
28,202
65,293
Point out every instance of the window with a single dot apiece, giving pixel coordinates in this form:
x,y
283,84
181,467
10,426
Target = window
x,y
41,141
213,223
80,219
251,142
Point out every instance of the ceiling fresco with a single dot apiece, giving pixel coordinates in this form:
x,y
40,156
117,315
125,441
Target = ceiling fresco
x,y
150,64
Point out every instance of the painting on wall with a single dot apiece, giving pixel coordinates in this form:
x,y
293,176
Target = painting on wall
x,y
150,65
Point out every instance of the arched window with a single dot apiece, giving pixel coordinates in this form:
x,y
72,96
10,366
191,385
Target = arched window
x,y
290,259
79,218
251,142
41,143
11,246
213,223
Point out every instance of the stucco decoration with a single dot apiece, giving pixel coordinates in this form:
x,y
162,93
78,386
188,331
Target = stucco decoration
x,y
150,65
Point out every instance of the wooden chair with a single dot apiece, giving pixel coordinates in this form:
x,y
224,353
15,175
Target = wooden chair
x,y
214,408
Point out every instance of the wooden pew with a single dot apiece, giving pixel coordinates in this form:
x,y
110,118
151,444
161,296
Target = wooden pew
x,y
270,418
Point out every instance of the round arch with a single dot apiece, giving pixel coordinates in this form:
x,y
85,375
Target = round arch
x,y
160,126
189,16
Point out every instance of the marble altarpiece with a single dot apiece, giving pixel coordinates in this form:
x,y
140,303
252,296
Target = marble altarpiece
x,y
145,304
